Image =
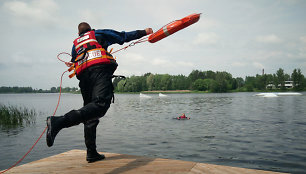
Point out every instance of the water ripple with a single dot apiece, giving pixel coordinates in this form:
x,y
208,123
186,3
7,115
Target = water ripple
x,y
233,129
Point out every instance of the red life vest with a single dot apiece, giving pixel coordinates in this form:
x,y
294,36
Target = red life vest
x,y
89,53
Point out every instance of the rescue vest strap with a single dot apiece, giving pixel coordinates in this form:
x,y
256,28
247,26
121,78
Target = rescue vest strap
x,y
118,76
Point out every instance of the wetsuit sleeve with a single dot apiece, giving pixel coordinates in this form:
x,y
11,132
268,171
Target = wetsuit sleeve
x,y
115,37
73,54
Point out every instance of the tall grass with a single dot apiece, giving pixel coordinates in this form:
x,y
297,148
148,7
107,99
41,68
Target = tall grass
x,y
13,116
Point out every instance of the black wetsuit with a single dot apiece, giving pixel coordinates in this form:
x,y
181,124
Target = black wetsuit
x,y
96,83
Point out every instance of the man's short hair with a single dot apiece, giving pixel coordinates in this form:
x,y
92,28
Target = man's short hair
x,y
84,27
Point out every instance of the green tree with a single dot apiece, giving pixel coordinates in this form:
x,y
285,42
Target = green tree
x,y
275,81
199,85
221,83
53,89
234,84
210,75
66,89
196,74
240,82
208,83
180,82
250,83
261,82
134,84
166,82
157,80
249,87
269,79
297,78
150,82
116,81
120,86
281,78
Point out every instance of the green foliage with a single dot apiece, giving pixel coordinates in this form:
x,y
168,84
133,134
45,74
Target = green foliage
x,y
203,84
249,88
15,89
180,82
12,116
199,85
281,78
197,80
222,82
210,81
196,74
298,80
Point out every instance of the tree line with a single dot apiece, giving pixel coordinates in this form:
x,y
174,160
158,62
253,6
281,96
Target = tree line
x,y
197,80
16,89
211,81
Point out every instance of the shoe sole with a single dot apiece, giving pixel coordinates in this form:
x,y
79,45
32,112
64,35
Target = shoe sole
x,y
95,159
49,138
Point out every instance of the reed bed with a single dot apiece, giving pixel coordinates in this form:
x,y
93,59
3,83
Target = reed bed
x,y
14,116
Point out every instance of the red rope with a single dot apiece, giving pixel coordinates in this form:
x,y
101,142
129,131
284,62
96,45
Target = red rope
x,y
61,54
58,101
59,97
132,44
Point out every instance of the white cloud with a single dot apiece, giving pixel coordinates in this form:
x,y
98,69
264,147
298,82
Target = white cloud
x,y
34,12
258,65
90,16
133,57
303,39
27,25
266,55
160,62
185,64
238,64
207,23
268,39
206,38
167,64
131,63
290,2
18,58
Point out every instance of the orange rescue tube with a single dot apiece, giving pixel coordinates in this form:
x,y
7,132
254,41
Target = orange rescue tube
x,y
173,27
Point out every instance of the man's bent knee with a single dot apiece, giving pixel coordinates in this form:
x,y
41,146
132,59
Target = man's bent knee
x,y
94,110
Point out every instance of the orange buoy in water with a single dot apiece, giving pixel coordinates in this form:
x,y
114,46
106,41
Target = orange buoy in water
x,y
173,27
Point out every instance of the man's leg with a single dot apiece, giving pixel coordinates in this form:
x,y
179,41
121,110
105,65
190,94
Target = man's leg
x,y
102,94
90,128
74,117
56,123
91,111
101,91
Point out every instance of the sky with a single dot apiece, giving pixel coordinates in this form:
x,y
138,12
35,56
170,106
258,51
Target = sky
x,y
241,37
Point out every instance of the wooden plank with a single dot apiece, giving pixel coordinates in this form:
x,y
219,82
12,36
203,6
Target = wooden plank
x,y
74,162
218,169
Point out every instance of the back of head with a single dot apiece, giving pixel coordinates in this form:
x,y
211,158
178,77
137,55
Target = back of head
x,y
83,27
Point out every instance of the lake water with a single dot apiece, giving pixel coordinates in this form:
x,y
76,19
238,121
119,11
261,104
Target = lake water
x,y
233,129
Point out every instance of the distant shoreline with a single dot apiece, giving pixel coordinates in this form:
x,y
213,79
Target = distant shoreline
x,y
167,91
155,92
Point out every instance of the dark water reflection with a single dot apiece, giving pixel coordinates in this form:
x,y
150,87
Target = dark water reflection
x,y
236,129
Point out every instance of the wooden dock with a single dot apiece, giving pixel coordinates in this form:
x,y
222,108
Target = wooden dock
x,y
74,162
